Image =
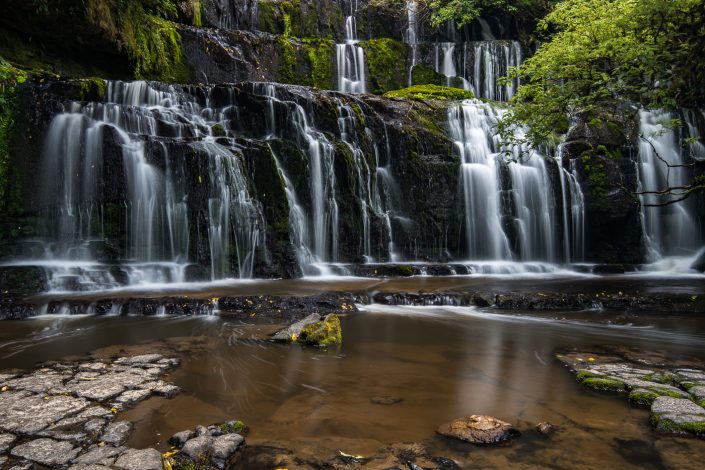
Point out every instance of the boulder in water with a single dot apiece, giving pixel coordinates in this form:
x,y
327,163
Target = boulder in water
x,y
292,332
322,333
478,429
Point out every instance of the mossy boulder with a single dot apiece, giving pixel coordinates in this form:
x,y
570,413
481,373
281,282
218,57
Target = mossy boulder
x,y
432,92
322,333
423,75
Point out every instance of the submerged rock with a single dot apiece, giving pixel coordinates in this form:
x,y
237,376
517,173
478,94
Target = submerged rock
x,y
386,400
546,428
478,429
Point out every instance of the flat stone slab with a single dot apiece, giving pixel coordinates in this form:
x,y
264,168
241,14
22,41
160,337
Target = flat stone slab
x,y
132,397
117,433
478,429
142,359
678,416
145,459
6,441
42,381
102,389
103,455
28,414
46,451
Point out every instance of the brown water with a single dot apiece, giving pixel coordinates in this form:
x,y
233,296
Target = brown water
x,y
443,362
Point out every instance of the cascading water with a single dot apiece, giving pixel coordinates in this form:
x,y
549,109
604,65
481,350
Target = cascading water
x,y
320,245
470,129
156,212
525,228
350,57
670,228
478,65
411,35
573,211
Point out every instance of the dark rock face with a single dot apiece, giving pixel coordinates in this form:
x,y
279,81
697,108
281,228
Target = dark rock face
x,y
601,154
478,429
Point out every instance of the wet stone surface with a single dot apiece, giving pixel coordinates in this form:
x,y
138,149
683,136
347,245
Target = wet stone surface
x,y
674,393
214,446
61,414
478,429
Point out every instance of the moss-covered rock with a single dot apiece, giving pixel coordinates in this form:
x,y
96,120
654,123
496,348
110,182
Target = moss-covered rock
x,y
322,333
424,75
386,64
678,416
605,384
434,92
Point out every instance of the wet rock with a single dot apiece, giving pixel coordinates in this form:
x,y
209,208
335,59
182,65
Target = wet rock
x,y
132,397
145,459
117,433
698,394
102,455
143,359
98,390
322,333
180,438
162,388
690,377
89,466
41,381
25,413
93,367
292,332
386,400
678,416
478,429
546,428
198,447
96,412
46,451
223,447
6,441
202,431
94,427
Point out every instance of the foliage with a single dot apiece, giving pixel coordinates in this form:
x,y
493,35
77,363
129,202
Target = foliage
x,y
435,92
10,78
463,12
602,55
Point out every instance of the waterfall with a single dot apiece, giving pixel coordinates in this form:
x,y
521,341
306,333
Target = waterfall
x,y
524,227
411,35
350,57
573,204
319,244
669,229
478,66
156,213
470,128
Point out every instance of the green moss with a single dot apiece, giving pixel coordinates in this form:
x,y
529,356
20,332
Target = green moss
x,y
643,397
319,55
93,89
693,427
586,374
435,92
423,75
322,333
197,13
233,427
597,182
10,80
287,64
386,64
268,17
217,130
606,384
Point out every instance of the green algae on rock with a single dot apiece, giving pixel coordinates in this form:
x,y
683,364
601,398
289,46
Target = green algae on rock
x,y
429,91
322,333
